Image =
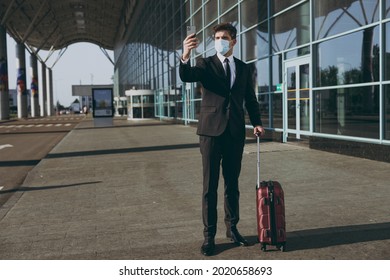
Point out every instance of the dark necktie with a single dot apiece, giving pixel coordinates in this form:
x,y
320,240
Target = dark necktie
x,y
228,73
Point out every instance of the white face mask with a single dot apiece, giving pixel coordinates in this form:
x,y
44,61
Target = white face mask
x,y
222,46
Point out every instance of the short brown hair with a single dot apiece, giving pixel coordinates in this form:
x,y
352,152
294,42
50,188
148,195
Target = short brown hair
x,y
226,26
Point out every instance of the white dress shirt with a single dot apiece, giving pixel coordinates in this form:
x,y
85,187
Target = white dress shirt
x,y
232,65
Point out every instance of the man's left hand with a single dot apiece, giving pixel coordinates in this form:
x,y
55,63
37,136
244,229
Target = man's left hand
x,y
259,131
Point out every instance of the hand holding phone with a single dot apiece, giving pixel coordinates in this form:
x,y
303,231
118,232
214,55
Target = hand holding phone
x,y
191,30
190,42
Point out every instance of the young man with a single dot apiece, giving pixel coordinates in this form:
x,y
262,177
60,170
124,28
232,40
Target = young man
x,y
227,87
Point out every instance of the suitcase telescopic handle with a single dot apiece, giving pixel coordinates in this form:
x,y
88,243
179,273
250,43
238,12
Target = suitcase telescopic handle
x,y
258,160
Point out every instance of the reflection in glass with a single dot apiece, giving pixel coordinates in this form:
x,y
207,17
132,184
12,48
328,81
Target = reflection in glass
x,y
348,112
200,48
387,9
297,52
249,46
277,5
209,36
387,111
335,16
232,17
210,11
187,10
136,99
249,14
277,110
338,65
262,76
304,97
277,76
264,110
262,40
291,29
226,4
291,97
386,56
196,4
199,35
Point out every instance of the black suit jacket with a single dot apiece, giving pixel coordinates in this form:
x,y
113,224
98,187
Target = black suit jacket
x,y
222,106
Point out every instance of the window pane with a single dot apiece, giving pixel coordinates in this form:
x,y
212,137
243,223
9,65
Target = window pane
x,y
277,61
196,4
277,5
386,56
187,10
231,17
387,111
346,111
249,14
211,11
254,70
387,10
209,36
291,29
277,110
248,42
197,19
262,40
264,109
226,4
335,16
262,76
338,65
199,35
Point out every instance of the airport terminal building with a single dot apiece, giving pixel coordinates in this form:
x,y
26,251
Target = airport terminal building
x,y
321,68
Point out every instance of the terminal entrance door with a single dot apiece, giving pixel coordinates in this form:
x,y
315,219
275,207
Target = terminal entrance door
x,y
297,97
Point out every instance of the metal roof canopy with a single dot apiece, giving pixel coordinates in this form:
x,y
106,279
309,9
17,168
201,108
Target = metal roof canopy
x,y
55,24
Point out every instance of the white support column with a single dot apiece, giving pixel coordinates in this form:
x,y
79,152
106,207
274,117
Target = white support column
x,y
49,90
21,81
34,87
4,91
43,95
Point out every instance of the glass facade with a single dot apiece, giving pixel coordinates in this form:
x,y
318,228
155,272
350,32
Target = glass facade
x,y
336,52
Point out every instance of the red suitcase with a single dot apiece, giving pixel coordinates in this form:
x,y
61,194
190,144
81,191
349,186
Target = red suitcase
x,y
271,223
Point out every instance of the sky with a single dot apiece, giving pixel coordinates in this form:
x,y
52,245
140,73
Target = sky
x,y
82,63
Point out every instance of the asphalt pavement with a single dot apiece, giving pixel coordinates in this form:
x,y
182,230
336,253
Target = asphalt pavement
x,y
133,191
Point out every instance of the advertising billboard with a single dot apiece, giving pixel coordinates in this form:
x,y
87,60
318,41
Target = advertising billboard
x,y
103,102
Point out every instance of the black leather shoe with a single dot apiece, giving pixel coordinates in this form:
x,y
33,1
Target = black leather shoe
x,y
208,247
237,238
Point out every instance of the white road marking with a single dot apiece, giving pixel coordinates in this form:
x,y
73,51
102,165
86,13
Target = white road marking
x,y
5,146
38,125
1,187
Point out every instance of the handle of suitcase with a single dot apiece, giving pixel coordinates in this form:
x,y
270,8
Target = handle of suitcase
x,y
258,160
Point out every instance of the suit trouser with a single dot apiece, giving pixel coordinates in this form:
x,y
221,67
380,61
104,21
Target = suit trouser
x,y
213,150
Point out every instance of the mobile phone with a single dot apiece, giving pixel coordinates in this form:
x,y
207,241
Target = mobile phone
x,y
191,30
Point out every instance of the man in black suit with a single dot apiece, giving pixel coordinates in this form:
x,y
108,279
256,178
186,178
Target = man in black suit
x,y
227,86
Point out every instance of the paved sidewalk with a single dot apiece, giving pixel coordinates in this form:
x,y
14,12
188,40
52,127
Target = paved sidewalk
x,y
133,191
